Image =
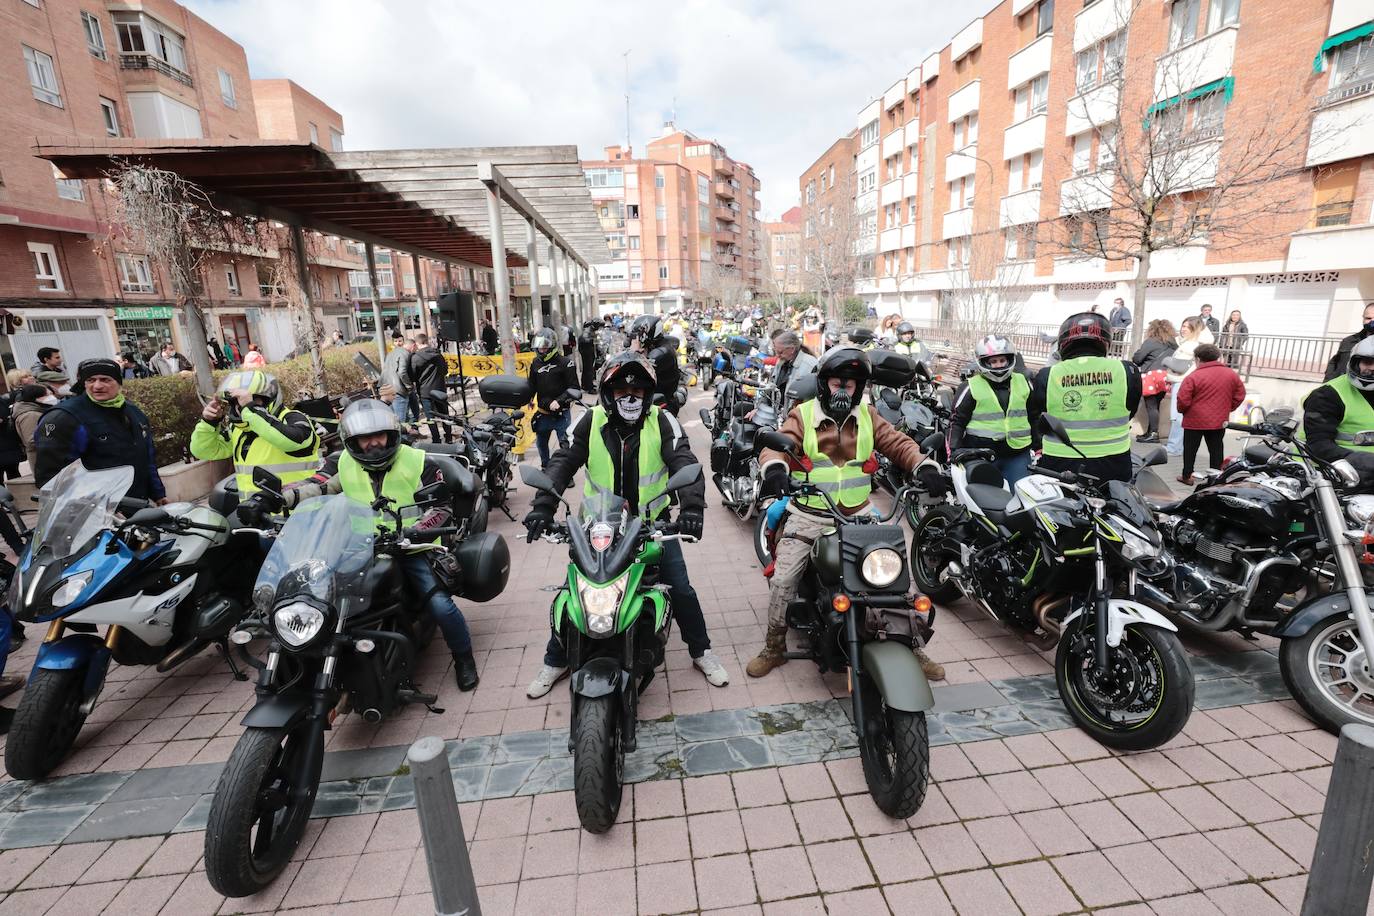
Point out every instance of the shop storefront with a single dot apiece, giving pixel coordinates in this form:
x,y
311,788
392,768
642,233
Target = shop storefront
x,y
143,329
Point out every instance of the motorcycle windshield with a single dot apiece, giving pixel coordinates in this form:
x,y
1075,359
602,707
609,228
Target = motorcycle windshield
x,y
323,552
75,506
605,538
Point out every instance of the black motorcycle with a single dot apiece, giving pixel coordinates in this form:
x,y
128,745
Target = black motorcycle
x,y
342,637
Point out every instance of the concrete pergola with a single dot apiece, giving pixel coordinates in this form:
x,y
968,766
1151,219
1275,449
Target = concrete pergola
x,y
461,207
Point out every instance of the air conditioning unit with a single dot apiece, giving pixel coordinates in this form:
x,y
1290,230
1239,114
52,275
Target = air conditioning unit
x,y
1035,185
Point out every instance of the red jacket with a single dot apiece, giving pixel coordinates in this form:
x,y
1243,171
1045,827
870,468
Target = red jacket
x,y
1209,395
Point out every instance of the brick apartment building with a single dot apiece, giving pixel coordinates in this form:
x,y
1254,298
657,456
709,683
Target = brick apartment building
x,y
1034,101
151,70
784,248
832,221
705,218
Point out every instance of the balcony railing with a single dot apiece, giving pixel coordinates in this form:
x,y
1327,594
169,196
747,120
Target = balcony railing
x,y
145,61
1192,137
1333,213
1361,84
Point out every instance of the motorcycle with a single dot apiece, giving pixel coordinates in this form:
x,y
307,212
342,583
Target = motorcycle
x,y
1048,560
613,618
164,581
734,465
342,636
852,607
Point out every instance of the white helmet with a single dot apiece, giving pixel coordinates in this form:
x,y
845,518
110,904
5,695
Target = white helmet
x,y
1363,350
366,417
991,346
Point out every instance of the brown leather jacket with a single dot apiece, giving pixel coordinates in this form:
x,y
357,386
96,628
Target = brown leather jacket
x,y
838,443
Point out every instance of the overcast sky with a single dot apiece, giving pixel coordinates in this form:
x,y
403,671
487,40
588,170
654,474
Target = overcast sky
x,y
775,81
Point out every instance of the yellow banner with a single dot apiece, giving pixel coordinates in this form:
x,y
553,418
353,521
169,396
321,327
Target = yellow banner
x,y
481,366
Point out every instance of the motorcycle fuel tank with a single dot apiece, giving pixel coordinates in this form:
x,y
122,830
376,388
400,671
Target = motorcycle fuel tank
x,y
1244,505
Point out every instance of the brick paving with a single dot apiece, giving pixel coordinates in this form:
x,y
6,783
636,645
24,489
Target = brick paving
x,y
1040,820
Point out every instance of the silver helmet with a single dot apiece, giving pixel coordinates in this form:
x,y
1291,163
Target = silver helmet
x,y
991,346
368,417
1364,381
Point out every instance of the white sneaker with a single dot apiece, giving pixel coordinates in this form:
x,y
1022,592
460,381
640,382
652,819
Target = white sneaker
x,y
544,681
711,667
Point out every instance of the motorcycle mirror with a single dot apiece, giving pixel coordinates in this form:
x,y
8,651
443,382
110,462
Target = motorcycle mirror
x,y
266,481
705,417
1154,457
774,440
533,477
1053,426
6,497
684,477
1282,415
149,516
802,389
518,416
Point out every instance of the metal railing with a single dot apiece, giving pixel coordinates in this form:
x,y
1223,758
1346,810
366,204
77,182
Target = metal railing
x,y
1360,84
145,61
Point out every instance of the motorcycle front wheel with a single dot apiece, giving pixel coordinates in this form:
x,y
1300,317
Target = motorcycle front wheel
x,y
46,723
598,762
928,565
894,747
1143,702
761,535
1326,671
258,816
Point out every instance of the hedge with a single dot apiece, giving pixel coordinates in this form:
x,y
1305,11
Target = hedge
x,y
173,406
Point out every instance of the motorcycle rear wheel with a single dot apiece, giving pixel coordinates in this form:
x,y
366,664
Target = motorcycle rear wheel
x,y
894,747
1323,668
761,535
598,762
46,723
254,824
928,565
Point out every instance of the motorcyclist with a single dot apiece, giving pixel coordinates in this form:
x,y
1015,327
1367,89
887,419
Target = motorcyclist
x,y
907,344
586,352
794,364
1095,397
646,336
1336,412
374,463
555,389
247,422
839,433
630,448
990,409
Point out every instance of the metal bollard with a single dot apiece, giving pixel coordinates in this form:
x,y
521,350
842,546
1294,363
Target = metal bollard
x,y
1343,862
441,828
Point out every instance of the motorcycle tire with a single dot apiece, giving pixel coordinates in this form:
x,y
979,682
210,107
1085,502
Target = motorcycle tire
x,y
46,723
895,751
256,774
478,523
929,581
1155,645
598,762
1299,659
761,536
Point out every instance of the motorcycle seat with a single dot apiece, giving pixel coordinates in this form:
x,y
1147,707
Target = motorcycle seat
x,y
989,498
1165,505
481,435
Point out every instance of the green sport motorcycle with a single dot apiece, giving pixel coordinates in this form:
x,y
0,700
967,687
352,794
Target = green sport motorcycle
x,y
613,618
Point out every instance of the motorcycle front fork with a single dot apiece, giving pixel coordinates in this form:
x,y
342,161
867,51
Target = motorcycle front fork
x,y
856,694
1347,566
1101,596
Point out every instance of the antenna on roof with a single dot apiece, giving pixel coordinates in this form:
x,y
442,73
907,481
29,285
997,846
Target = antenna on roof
x,y
626,55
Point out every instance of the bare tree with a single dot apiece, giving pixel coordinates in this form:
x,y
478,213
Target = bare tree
x,y
984,292
1162,160
724,285
305,325
783,268
830,246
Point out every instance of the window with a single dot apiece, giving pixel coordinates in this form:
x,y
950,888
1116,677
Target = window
x,y
703,217
111,114
632,210
142,34
869,135
1044,17
1221,13
662,242
1113,53
605,178
658,178
226,89
42,76
966,131
1106,146
1021,242
1040,94
663,272
45,269
703,189
314,131
68,188
1209,113
1086,69
615,239
634,242
159,116
636,272
868,181
338,286
336,140
135,273
1333,198
660,213
231,281
95,37
811,191
1183,17
1082,153
961,193
959,252
1353,61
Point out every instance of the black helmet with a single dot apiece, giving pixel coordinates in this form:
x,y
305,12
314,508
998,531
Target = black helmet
x,y
860,335
832,339
841,362
363,418
906,328
1084,334
647,329
626,370
544,343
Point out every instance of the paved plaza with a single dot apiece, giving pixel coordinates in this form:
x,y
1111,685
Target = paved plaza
x,y
746,799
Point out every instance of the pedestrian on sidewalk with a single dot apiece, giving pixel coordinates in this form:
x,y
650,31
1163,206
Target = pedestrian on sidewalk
x,y
1234,333
1206,399
1192,334
1160,343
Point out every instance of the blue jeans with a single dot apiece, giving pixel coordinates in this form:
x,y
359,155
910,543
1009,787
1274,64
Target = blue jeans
x,y
1015,467
438,602
691,623
546,423
401,407
1175,446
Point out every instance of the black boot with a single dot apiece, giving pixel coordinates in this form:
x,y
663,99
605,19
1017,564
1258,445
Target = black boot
x,y
465,670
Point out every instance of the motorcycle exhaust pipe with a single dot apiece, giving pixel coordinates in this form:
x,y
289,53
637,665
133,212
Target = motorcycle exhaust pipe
x,y
180,654
372,715
1043,606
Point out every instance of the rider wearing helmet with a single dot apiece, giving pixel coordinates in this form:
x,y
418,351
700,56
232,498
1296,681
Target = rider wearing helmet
x,y
555,389
1094,395
840,434
246,421
630,448
1336,412
907,344
375,464
646,336
990,409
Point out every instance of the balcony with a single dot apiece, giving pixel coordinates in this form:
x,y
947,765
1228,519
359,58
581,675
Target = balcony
x,y
909,184
1085,193
1343,125
726,260
894,143
145,61
970,38
909,235
1191,160
1346,14
724,189
891,192
1031,61
1024,137
1092,108
1203,61
1099,20
890,239
962,163
723,166
958,223
963,101
726,213
930,67
1021,208
895,94
1331,248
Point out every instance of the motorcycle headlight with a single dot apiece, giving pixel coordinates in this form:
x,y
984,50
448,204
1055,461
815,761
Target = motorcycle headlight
x,y
601,604
297,623
70,588
881,567
1360,509
1134,547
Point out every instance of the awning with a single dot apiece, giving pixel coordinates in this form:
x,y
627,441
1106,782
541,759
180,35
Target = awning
x,y
1335,41
1226,85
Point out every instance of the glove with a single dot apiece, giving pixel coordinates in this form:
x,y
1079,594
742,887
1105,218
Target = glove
x,y
691,524
775,480
537,522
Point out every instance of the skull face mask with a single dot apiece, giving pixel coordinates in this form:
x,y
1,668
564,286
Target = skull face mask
x,y
630,408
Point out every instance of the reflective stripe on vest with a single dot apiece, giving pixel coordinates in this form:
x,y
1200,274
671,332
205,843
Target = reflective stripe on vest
x,y
1089,395
289,468
847,484
990,422
399,484
1358,416
653,471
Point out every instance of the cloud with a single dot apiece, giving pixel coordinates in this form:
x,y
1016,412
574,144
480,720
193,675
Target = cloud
x,y
774,81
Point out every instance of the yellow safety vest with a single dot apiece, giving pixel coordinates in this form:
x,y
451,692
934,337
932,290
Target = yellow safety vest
x,y
848,484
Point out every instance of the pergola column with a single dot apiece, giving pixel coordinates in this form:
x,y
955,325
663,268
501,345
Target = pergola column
x,y
501,279
376,300
532,255
420,298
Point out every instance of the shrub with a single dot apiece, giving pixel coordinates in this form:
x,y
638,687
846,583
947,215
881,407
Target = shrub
x,y
173,406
